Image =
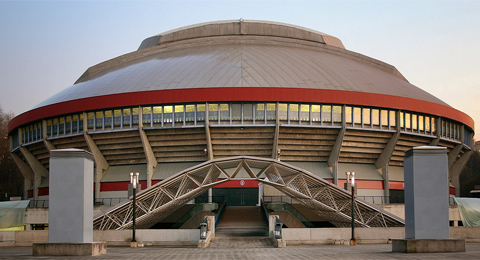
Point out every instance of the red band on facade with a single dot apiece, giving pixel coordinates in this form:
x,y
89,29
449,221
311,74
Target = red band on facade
x,y
238,94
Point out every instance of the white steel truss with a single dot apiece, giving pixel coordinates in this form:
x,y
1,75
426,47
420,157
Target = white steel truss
x,y
325,199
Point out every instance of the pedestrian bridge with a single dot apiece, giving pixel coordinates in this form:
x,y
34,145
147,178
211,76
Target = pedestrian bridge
x,y
323,198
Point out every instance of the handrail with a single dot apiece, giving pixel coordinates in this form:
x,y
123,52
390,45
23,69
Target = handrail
x,y
109,201
264,209
220,211
294,212
187,216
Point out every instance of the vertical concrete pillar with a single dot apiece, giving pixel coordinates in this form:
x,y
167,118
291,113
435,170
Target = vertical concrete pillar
x,y
70,214
426,193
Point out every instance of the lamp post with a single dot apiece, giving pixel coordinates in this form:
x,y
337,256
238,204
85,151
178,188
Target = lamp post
x,y
352,185
134,182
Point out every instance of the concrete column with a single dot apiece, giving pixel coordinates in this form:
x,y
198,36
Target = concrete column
x,y
209,144
150,156
426,193
70,215
38,170
335,154
275,151
101,165
27,172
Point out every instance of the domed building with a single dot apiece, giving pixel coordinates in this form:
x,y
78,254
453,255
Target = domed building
x,y
240,88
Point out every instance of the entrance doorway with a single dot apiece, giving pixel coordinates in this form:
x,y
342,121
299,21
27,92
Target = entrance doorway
x,y
238,196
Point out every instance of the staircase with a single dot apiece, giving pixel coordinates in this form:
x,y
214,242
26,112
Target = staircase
x,y
242,227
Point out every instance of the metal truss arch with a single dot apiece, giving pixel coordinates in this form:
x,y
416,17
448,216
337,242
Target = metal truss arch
x,y
325,199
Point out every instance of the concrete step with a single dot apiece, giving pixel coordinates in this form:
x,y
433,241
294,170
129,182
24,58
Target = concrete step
x,y
241,232
241,242
241,222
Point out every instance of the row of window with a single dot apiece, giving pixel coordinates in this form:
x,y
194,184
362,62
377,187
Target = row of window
x,y
162,116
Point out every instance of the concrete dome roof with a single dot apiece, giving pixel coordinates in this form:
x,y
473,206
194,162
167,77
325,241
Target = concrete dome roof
x,y
193,57
235,61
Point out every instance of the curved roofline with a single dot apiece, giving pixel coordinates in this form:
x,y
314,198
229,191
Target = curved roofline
x,y
239,20
239,94
241,27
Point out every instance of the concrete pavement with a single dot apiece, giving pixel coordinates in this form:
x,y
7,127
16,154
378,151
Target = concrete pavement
x,y
364,251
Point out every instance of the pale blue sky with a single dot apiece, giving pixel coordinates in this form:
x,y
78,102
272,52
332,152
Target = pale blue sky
x,y
46,45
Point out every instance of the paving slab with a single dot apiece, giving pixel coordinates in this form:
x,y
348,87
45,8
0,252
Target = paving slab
x,y
367,251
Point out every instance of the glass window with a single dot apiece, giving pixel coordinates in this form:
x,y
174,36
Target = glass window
x,y
34,132
75,123
126,113
414,122
167,114
213,112
293,113
402,120
271,111
260,112
305,113
407,121
375,117
39,130
357,115
384,117
135,115
348,115
393,119
315,113
337,114
282,111
434,125
444,128
108,119
147,115
366,116
236,112
248,112
179,114
190,113
90,120
24,135
326,113
117,117
157,115
224,112
61,125
55,126
30,134
68,124
98,120
420,123
427,124
49,127
201,112
80,122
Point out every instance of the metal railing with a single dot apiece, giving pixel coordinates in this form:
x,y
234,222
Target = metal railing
x,y
220,211
370,199
292,210
38,204
205,199
285,199
391,200
109,201
98,202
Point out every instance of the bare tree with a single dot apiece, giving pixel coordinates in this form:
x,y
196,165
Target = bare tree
x,y
11,180
470,175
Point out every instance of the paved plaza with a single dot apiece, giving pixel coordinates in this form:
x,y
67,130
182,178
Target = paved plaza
x,y
364,251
